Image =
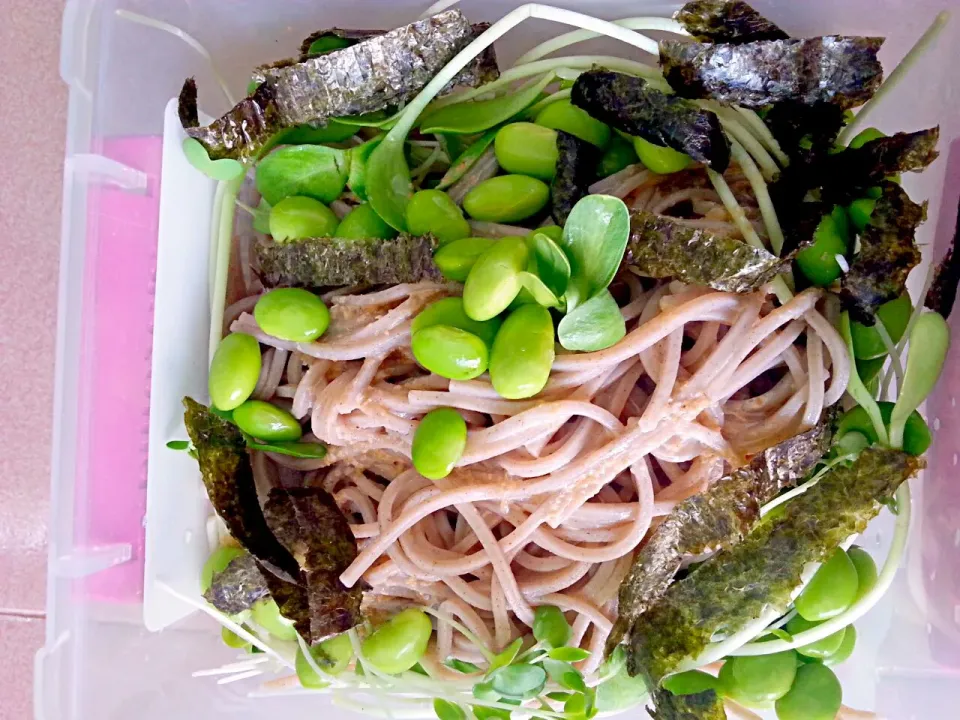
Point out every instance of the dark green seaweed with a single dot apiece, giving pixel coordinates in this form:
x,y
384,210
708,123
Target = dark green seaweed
x,y
887,254
629,104
718,517
737,584
726,21
309,524
943,291
321,262
662,247
706,705
576,171
843,71
238,587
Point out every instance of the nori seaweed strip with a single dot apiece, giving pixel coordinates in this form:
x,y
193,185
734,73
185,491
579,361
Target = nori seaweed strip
x,y
629,104
321,262
706,705
738,584
943,291
662,247
718,517
887,254
382,71
576,171
726,21
840,70
309,524
238,586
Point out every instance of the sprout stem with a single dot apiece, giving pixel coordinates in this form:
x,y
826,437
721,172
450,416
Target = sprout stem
x,y
577,36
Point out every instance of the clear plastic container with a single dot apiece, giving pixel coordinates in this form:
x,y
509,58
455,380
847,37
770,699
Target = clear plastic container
x,y
99,661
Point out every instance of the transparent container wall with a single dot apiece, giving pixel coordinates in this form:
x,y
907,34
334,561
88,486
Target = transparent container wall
x,y
99,663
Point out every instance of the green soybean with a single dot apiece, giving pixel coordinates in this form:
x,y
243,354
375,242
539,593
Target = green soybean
x,y
860,212
449,311
618,155
267,615
819,261
759,680
398,644
527,149
831,590
815,695
523,353
866,569
865,136
819,649
234,371
494,280
916,435
217,563
292,314
894,315
363,223
266,421
660,159
332,656
564,115
433,212
846,648
456,258
315,171
450,352
438,442
295,218
506,199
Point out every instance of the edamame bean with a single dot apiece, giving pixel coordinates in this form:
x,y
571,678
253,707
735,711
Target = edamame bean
x,y
860,212
523,353
815,695
292,314
438,442
819,649
450,352
363,223
294,218
494,280
266,614
759,680
234,370
564,115
916,434
398,644
332,656
618,155
231,639
819,261
865,136
456,258
894,315
527,149
866,569
660,159
449,311
506,199
846,648
830,591
433,212
266,421
217,563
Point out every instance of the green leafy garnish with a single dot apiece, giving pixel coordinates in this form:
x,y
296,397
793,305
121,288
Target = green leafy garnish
x,y
565,675
315,171
447,710
293,449
223,170
594,325
479,115
507,656
466,160
462,666
594,240
549,263
568,654
550,627
519,682
179,444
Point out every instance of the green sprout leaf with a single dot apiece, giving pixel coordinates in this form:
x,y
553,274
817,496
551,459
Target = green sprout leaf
x,y
461,666
223,170
582,706
482,712
538,289
929,342
307,450
594,239
484,691
594,325
506,657
519,682
179,444
479,115
550,263
447,710
565,675
691,682
569,654
388,182
550,627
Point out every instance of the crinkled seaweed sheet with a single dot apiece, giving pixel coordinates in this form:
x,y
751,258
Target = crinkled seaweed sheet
x,y
726,21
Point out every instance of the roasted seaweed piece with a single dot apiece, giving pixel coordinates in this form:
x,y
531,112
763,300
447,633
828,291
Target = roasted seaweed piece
x,y
311,526
662,247
629,104
238,587
576,171
379,72
706,705
319,262
943,291
718,517
726,21
738,584
840,70
887,254
805,129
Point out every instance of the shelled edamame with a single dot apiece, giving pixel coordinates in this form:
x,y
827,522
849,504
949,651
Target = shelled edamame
x,y
398,644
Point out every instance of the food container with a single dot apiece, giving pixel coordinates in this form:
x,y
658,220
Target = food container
x,y
134,323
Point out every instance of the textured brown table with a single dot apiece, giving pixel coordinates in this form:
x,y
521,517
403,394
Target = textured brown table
x,y
33,118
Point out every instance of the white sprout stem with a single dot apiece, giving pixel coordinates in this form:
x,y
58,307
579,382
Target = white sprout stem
x,y
759,185
733,126
214,237
891,347
734,210
224,245
187,38
781,289
555,97
421,172
762,132
925,42
443,617
577,36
